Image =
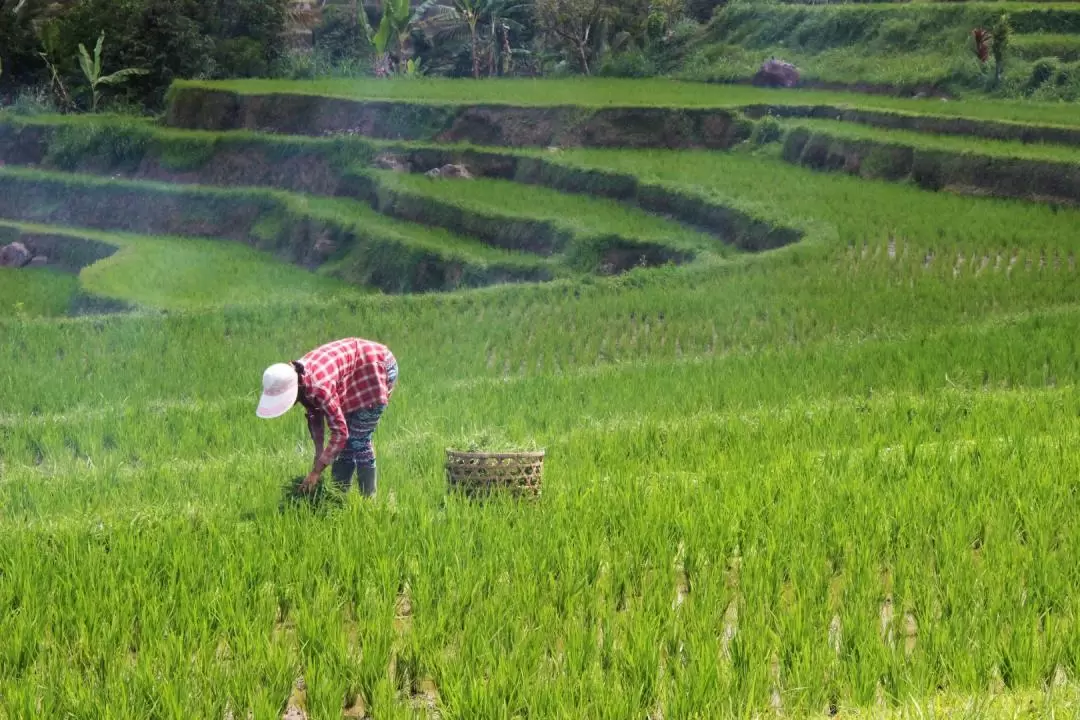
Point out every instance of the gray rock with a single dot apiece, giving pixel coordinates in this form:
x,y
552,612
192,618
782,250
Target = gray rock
x,y
38,261
777,73
388,161
451,171
14,255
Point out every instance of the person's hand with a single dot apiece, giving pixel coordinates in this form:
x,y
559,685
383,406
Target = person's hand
x,y
309,482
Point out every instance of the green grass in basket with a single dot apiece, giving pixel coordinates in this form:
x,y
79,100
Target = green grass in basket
x,y
488,440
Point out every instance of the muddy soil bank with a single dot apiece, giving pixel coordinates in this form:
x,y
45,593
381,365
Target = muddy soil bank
x,y
65,253
106,149
605,255
1025,179
317,167
500,125
362,255
933,124
728,225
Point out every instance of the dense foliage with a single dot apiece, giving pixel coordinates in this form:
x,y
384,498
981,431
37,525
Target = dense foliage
x,y
910,48
168,39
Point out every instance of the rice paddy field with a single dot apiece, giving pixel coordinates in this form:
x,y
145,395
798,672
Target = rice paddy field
x,y
831,476
606,92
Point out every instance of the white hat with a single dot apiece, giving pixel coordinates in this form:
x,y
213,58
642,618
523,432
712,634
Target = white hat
x,y
279,391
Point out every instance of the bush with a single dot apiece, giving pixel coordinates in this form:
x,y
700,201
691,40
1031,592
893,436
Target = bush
x,y
308,66
673,49
1068,75
766,130
32,100
105,146
629,64
1062,85
1043,70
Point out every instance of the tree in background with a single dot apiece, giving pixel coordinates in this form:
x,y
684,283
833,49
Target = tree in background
x,y
573,24
588,30
341,40
165,37
170,39
1002,34
18,41
248,35
480,22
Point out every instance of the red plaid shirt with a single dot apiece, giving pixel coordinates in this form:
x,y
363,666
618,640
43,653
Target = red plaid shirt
x,y
339,378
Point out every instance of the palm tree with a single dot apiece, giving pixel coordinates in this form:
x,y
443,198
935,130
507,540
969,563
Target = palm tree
x,y
455,18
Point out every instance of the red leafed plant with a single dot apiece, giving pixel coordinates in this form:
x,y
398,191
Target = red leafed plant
x,y
982,44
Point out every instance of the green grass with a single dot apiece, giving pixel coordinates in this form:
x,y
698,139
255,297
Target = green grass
x,y
975,146
910,71
133,124
647,93
843,207
890,45
655,469
732,63
1041,45
177,273
35,292
436,240
580,215
276,220
747,463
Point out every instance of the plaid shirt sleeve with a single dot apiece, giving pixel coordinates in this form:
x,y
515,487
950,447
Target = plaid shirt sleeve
x,y
335,419
315,425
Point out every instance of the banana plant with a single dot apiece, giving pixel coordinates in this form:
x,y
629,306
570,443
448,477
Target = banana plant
x,y
92,70
398,21
379,41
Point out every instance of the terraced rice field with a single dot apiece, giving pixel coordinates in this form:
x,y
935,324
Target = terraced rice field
x,y
906,48
810,435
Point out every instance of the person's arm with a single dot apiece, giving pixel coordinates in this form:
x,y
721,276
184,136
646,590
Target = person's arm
x,y
315,427
339,435
339,432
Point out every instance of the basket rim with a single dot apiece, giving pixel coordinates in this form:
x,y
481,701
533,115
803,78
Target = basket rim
x,y
496,455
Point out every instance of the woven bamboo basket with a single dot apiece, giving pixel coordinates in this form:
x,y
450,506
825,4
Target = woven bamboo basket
x,y
481,473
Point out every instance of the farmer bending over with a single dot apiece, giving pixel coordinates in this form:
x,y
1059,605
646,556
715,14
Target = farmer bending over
x,y
348,383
